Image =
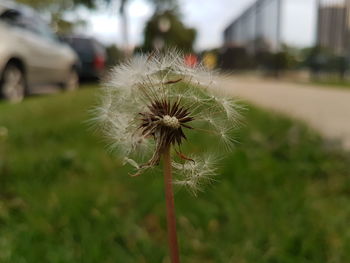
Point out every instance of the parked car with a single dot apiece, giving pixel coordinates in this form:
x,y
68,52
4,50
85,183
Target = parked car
x,y
31,55
92,55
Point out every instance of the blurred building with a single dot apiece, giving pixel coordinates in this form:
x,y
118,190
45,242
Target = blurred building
x,y
333,26
257,28
267,24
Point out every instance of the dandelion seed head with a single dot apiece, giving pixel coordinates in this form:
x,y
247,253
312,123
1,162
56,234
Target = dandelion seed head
x,y
154,101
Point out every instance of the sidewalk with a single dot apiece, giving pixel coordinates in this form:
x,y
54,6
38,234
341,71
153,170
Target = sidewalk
x,y
325,109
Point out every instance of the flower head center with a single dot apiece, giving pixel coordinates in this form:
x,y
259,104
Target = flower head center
x,y
171,122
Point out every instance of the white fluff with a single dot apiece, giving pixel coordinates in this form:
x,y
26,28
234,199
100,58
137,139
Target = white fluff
x,y
132,86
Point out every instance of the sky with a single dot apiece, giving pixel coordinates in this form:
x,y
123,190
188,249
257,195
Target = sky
x,y
208,17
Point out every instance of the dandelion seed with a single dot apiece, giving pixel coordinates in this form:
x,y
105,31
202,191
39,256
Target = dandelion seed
x,y
196,173
131,162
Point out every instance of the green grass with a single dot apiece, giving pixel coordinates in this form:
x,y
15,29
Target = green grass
x,y
283,195
334,83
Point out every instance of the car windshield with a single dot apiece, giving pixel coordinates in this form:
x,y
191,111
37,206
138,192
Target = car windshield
x,y
81,44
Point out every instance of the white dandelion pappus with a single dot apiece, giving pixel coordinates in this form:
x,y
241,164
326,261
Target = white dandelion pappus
x,y
151,102
197,172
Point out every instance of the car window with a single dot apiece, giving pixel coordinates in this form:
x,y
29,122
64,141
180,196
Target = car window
x,y
99,47
43,29
38,26
28,22
13,18
86,45
81,45
9,15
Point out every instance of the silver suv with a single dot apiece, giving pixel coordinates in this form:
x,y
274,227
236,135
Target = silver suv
x,y
31,55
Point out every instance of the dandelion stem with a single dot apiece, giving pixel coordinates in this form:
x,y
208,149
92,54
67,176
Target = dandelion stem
x,y
170,208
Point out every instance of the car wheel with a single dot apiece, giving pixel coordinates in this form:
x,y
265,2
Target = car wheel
x,y
72,82
12,83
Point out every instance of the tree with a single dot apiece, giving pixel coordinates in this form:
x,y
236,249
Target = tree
x,y
160,5
165,30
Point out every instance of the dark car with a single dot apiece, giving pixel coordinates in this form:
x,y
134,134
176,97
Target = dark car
x,y
92,55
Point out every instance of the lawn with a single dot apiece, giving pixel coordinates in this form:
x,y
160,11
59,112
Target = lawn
x,y
283,194
332,83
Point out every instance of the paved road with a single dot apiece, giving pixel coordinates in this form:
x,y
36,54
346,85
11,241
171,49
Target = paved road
x,y
325,109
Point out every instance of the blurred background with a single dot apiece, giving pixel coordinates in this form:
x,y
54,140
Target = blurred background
x,y
302,40
282,194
